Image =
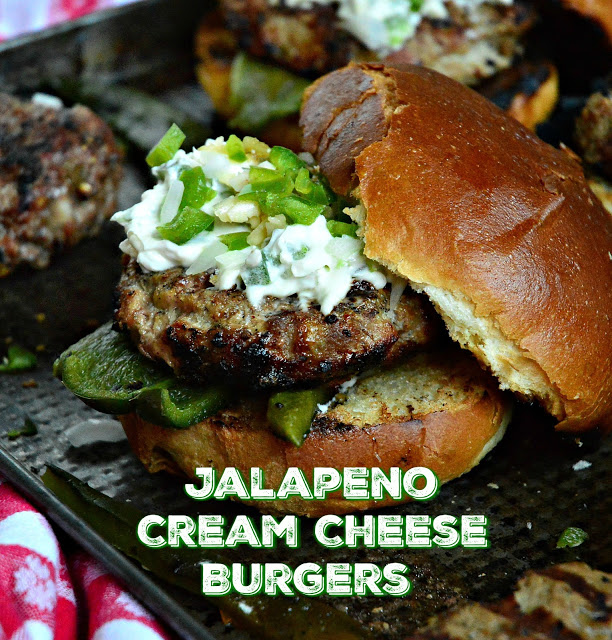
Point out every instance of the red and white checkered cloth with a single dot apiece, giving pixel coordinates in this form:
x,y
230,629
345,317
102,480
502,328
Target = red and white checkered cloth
x,y
43,596
18,17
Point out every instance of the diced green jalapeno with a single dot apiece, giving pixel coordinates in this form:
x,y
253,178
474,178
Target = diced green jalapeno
x,y
319,194
235,149
17,359
29,429
337,228
269,180
290,413
254,196
271,206
197,192
285,160
258,274
299,210
186,224
303,183
572,537
165,149
235,241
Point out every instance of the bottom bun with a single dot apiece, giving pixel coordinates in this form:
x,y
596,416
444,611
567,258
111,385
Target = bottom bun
x,y
439,411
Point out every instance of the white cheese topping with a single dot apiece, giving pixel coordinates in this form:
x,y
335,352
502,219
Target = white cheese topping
x,y
385,25
280,260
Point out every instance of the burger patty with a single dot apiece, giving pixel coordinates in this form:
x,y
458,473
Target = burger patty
x,y
594,133
203,333
59,173
568,601
469,46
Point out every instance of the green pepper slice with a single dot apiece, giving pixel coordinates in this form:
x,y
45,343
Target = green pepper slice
x,y
180,407
278,618
235,241
299,210
110,375
285,160
186,224
197,192
269,180
165,149
17,359
572,537
261,93
337,228
259,274
235,149
290,413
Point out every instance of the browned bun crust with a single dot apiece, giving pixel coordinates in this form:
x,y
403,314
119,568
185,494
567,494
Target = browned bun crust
x,y
497,227
464,417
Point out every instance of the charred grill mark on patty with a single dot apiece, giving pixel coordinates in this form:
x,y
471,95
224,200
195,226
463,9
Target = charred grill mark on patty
x,y
203,333
468,46
59,173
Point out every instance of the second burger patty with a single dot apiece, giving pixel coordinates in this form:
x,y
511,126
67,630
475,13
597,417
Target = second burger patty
x,y
202,333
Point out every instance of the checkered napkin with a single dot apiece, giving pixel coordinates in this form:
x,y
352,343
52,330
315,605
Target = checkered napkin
x,y
45,596
18,17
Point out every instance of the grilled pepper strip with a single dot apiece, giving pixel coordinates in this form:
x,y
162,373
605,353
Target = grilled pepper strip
x,y
278,618
110,375
290,413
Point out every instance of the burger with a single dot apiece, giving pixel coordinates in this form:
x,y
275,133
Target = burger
x,y
256,57
280,310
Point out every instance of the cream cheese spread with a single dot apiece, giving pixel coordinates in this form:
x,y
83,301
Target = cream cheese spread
x,y
279,259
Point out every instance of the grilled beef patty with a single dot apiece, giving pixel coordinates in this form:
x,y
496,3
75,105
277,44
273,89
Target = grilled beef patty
x,y
469,46
594,133
59,173
203,333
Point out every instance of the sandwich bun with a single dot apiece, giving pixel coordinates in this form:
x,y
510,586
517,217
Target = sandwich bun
x,y
437,410
499,229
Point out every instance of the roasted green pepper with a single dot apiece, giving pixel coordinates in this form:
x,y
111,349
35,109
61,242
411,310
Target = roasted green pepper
x,y
290,413
110,375
278,618
261,93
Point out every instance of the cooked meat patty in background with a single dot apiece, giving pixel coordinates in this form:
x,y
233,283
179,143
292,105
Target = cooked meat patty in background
x,y
59,173
202,332
466,43
594,133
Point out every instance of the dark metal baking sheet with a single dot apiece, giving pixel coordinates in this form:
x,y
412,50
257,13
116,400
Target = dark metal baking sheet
x,y
527,487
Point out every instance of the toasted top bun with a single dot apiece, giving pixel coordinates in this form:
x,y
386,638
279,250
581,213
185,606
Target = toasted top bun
x,y
437,410
498,228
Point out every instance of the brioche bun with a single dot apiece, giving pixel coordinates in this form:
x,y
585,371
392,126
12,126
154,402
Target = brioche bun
x,y
499,229
435,410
